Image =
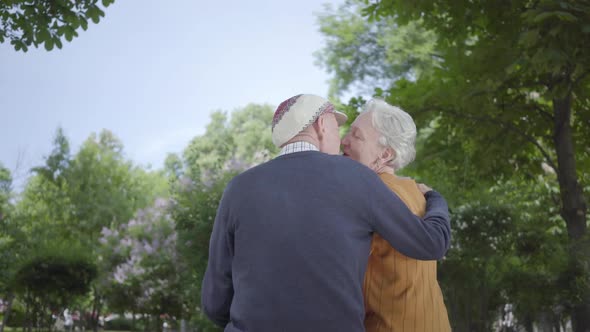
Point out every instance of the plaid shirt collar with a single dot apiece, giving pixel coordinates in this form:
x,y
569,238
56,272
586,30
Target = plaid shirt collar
x,y
298,147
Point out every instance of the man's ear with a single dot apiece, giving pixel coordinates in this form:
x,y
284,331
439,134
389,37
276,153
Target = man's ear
x,y
320,126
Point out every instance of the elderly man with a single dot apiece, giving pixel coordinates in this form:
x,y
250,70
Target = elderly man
x,y
401,294
291,238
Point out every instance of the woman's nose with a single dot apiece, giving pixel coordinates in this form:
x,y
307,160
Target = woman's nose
x,y
344,140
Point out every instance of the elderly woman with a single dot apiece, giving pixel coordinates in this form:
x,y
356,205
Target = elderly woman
x,y
401,294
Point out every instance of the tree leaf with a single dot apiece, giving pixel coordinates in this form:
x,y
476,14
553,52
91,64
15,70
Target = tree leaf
x,y
49,44
84,23
43,35
94,13
529,38
564,16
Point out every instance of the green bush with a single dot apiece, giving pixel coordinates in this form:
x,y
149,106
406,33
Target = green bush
x,y
119,324
17,316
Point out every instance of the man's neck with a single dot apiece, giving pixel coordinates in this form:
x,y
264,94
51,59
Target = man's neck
x,y
305,137
297,146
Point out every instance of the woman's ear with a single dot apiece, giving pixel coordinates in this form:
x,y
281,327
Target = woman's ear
x,y
388,154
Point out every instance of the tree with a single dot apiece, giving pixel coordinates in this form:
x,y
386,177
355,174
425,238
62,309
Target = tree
x,y
146,265
508,93
534,85
477,263
46,22
5,188
51,278
173,169
245,138
72,198
9,243
194,211
534,283
106,190
365,55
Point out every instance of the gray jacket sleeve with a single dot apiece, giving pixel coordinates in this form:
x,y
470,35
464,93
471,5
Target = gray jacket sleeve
x,y
217,289
424,239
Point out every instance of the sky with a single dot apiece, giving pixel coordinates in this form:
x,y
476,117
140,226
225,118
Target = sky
x,y
152,74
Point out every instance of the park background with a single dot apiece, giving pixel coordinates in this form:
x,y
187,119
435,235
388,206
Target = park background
x,y
122,121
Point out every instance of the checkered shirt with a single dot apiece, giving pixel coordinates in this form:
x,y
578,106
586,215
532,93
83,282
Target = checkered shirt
x,y
298,147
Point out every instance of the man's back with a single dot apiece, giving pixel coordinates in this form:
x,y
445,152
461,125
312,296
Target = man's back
x,y
301,245
291,241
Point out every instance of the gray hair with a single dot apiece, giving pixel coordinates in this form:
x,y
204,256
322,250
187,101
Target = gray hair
x,y
397,131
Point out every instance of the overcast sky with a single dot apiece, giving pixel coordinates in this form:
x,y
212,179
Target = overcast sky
x,y
152,74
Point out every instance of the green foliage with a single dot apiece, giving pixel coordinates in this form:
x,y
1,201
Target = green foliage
x,y
78,195
477,263
12,239
475,91
194,213
493,113
50,278
148,260
173,168
509,248
5,187
372,54
119,324
48,23
57,273
538,279
5,193
246,137
142,263
71,198
17,315
101,184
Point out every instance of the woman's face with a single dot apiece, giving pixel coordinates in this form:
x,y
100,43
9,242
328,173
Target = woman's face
x,y
361,142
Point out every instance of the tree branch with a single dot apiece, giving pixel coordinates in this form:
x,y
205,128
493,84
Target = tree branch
x,y
544,113
511,127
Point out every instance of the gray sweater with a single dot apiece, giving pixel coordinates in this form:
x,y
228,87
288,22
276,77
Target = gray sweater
x,y
291,241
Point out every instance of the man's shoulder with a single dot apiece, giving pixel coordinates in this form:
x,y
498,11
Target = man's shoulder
x,y
350,163
335,164
253,174
307,157
355,169
341,162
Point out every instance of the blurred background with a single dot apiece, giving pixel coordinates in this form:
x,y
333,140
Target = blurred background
x,y
122,121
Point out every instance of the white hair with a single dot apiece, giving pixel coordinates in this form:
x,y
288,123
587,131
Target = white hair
x,y
397,130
